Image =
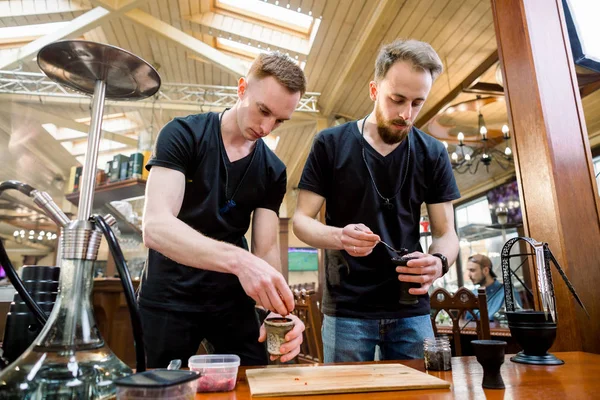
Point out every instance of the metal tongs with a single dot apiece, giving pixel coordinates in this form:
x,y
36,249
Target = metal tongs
x,y
543,256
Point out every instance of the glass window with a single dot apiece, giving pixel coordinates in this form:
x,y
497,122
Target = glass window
x,y
596,162
479,233
270,14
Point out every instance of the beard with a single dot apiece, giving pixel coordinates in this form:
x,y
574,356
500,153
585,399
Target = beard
x,y
480,282
388,133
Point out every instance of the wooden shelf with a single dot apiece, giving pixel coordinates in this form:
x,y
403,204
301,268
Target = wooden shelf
x,y
121,190
125,226
112,191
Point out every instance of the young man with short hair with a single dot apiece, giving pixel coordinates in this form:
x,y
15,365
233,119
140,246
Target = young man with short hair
x,y
208,174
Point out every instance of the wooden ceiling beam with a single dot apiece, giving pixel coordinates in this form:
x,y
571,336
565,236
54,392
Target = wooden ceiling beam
x,y
294,123
485,88
382,15
217,23
189,42
76,27
296,166
465,84
148,104
19,8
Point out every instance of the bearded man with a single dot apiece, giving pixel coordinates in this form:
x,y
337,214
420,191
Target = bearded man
x,y
374,174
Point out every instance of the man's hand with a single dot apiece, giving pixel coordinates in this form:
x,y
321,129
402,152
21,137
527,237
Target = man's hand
x,y
358,240
293,339
424,270
265,285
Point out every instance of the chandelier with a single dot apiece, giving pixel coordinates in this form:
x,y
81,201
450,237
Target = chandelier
x,y
468,158
479,147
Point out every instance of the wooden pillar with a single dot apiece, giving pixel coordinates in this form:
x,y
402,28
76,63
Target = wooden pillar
x,y
321,256
284,227
553,159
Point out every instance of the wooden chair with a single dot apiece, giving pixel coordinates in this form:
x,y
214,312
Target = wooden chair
x,y
457,306
307,285
307,310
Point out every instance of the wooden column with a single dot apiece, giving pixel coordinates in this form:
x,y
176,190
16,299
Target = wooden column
x,y
321,255
553,159
284,227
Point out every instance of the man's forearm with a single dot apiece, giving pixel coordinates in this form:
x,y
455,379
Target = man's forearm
x,y
178,241
447,245
273,257
316,234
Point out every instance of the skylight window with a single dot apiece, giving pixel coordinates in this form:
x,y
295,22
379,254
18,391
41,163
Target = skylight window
x,y
28,32
238,48
63,134
246,51
269,13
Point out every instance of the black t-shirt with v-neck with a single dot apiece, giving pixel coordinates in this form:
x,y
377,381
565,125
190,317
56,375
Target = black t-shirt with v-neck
x,y
368,287
193,145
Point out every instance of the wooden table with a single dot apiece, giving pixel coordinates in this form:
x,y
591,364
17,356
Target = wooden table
x,y
578,378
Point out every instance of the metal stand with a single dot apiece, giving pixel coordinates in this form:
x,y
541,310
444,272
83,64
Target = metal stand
x,y
547,359
69,359
106,72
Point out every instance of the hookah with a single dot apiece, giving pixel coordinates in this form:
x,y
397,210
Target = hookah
x,y
534,330
69,358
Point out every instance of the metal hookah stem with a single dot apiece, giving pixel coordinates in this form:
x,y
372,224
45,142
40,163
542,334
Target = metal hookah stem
x,y
91,156
86,201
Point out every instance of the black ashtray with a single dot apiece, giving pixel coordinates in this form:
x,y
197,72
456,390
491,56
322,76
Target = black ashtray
x,y
528,317
535,332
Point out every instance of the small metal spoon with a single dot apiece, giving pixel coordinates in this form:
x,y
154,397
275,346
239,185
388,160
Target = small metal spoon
x,y
402,251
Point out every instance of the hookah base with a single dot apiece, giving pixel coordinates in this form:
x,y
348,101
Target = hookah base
x,y
546,359
51,375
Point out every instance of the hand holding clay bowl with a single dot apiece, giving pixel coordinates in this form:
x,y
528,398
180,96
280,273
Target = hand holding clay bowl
x,y
277,328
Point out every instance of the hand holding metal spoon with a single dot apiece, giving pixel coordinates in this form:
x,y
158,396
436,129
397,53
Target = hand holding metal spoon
x,y
402,251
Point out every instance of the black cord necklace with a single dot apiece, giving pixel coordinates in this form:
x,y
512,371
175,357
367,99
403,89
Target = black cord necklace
x,y
230,203
387,201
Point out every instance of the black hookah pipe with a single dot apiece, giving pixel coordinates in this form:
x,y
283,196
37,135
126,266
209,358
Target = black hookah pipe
x,y
11,273
57,216
134,312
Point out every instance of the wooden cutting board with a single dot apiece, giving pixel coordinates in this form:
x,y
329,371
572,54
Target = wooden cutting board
x,y
289,381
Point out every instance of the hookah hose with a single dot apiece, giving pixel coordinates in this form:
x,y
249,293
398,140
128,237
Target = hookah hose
x,y
134,313
39,314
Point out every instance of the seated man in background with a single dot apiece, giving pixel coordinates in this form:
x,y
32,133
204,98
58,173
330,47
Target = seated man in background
x,y
482,274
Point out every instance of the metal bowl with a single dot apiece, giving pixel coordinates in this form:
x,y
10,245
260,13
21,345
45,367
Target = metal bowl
x,y
78,64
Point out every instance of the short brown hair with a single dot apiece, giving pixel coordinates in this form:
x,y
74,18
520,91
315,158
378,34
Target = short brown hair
x,y
280,67
483,261
420,54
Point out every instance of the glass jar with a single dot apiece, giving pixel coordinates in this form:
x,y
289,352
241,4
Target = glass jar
x,y
437,354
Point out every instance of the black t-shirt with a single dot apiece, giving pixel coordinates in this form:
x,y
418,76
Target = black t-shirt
x,y
368,287
193,145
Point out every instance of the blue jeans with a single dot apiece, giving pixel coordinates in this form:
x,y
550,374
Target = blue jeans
x,y
353,339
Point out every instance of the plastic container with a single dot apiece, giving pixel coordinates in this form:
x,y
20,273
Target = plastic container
x,y
158,384
218,372
437,354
